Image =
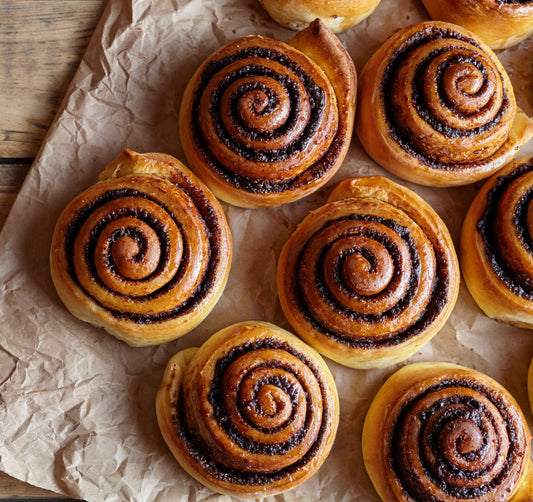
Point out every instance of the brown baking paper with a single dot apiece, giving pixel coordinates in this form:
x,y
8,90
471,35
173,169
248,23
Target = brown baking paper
x,y
77,406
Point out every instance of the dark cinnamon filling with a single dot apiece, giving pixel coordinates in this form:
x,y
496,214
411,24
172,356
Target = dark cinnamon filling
x,y
440,471
437,301
393,252
280,383
316,96
200,452
396,129
424,111
163,243
142,243
292,89
487,226
210,219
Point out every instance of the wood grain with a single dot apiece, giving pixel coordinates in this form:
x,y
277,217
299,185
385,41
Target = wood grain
x,y
41,45
12,173
11,487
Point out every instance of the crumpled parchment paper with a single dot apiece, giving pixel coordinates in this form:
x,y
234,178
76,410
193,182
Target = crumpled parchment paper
x,y
77,406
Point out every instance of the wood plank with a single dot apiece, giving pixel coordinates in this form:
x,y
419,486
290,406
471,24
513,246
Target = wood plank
x,y
41,45
12,174
11,487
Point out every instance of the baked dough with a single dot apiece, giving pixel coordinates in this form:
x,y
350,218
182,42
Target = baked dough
x,y
370,277
337,15
438,431
496,250
500,24
436,107
264,123
253,412
144,253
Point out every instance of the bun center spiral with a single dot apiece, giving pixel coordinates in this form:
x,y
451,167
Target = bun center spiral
x,y
133,249
132,246
368,269
262,104
270,403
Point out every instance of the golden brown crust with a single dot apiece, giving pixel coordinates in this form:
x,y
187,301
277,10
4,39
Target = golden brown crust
x,y
499,24
261,402
337,15
145,253
438,431
238,124
405,123
370,277
495,255
525,489
530,384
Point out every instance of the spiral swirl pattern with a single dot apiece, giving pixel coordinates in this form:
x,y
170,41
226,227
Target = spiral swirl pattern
x,y
452,436
506,227
497,242
342,272
143,252
260,405
442,90
260,119
265,111
363,275
446,108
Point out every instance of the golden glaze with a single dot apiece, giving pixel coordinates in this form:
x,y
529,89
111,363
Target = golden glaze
x,y
457,427
492,294
255,122
343,232
273,389
337,15
498,24
131,273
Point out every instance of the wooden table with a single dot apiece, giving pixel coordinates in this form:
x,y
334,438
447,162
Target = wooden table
x,y
41,45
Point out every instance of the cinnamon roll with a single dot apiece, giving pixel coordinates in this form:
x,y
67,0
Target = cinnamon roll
x,y
337,15
264,123
497,245
437,431
436,107
499,23
370,277
145,253
252,412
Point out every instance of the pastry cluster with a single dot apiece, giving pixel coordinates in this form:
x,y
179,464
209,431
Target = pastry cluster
x,y
367,279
